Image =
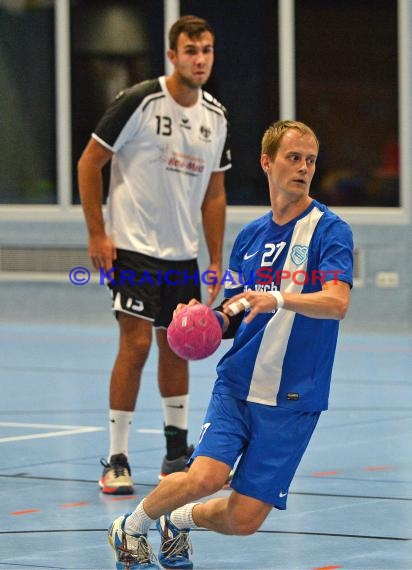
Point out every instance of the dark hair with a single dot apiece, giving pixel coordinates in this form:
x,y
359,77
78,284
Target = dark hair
x,y
193,26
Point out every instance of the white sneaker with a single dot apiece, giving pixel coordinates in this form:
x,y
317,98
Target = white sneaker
x,y
132,552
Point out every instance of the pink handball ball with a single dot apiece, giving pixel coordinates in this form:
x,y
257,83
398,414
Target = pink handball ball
x,y
194,333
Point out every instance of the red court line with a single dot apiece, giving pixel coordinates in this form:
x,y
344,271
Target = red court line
x,y
25,512
378,468
70,505
327,568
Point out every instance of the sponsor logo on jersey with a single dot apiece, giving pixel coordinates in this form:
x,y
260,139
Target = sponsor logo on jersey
x,y
299,254
262,288
186,164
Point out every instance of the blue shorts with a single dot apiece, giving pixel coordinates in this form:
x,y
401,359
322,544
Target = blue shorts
x,y
270,440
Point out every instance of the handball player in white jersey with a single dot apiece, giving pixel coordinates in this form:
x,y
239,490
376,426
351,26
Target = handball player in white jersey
x,y
287,287
167,141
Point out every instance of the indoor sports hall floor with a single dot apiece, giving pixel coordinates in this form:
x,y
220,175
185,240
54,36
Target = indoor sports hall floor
x,y
350,505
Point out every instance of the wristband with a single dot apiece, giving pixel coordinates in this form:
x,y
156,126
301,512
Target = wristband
x,y
280,301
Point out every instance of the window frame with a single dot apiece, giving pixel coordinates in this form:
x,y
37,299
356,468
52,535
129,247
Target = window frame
x,y
64,210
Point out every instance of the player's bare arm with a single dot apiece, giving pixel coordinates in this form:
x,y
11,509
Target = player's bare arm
x,y
213,217
330,303
101,248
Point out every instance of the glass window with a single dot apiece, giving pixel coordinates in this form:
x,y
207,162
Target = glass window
x,y
27,104
114,44
347,90
245,80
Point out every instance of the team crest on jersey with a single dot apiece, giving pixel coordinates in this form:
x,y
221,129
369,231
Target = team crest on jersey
x,y
299,254
205,133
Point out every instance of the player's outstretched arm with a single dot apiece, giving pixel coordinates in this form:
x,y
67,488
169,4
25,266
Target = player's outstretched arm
x,y
330,303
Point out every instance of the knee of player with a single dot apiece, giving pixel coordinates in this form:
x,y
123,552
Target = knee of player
x,y
243,526
141,346
135,350
131,361
202,484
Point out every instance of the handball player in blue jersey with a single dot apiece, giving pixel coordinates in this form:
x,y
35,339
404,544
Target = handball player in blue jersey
x,y
286,289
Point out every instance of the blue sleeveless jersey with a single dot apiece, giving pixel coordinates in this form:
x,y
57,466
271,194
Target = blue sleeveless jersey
x,y
285,359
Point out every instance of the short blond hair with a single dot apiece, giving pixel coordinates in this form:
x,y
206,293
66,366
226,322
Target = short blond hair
x,y
274,134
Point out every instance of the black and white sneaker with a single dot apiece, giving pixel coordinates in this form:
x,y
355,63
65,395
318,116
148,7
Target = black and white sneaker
x,y
116,477
175,465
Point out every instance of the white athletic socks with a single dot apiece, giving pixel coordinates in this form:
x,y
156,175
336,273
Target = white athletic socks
x,y
119,427
176,411
183,517
138,522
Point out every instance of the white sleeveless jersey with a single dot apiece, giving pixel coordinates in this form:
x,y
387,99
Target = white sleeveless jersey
x,y
163,157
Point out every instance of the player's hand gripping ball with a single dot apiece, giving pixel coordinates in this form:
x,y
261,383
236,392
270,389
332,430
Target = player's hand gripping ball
x,y
194,332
